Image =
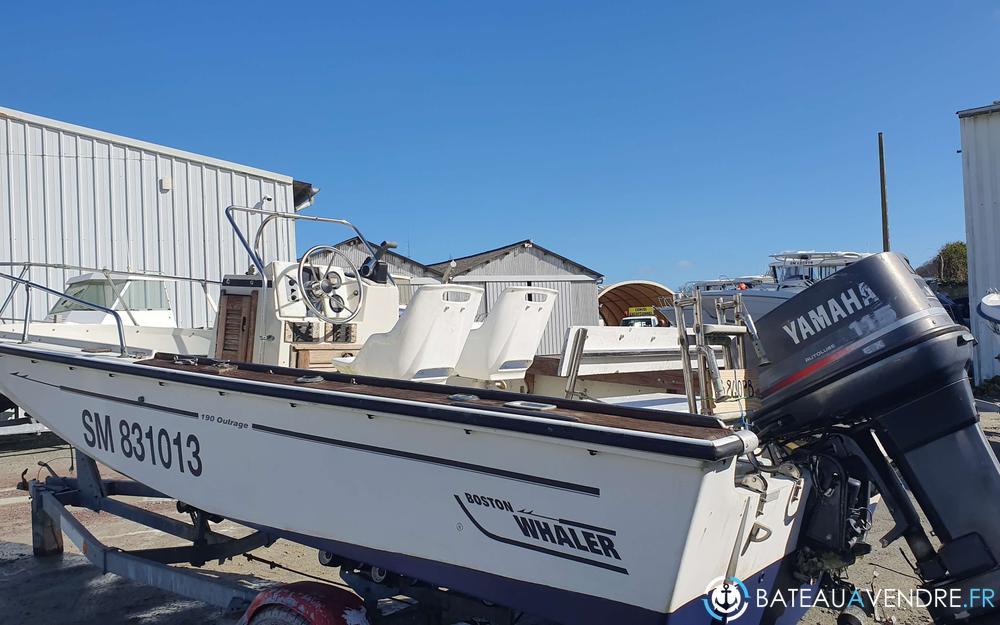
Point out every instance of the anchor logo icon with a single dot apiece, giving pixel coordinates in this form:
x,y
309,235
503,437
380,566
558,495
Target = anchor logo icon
x,y
726,592
726,598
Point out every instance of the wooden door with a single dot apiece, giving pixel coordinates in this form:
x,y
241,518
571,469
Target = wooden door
x,y
234,331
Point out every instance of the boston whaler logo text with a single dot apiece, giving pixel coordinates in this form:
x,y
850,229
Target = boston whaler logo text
x,y
540,529
825,315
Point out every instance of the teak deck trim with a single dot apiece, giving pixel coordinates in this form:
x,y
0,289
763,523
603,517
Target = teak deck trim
x,y
693,435
430,394
661,432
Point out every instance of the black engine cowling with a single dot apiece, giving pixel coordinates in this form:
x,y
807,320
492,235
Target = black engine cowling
x,y
868,365
854,345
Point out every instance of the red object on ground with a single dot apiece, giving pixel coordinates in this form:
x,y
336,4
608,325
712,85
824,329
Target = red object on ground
x,y
319,604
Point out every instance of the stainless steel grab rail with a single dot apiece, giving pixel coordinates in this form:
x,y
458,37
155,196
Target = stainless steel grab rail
x,y
254,250
110,275
10,296
116,273
28,285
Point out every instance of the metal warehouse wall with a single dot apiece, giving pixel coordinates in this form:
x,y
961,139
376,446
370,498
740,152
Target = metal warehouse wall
x,y
980,129
576,304
78,196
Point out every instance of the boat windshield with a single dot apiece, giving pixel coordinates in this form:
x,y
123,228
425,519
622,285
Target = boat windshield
x,y
786,273
810,266
137,294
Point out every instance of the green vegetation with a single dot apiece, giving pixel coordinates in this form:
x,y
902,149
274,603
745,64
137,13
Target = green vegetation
x,y
988,389
953,263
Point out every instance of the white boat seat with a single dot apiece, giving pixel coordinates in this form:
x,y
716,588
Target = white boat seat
x,y
426,342
505,345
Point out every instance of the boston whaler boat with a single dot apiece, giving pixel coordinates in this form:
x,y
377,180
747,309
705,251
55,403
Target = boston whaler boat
x,y
576,512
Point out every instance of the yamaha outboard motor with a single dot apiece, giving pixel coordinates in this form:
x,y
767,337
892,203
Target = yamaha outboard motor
x,y
868,366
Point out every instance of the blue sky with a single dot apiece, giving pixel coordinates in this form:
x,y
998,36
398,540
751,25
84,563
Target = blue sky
x,y
666,141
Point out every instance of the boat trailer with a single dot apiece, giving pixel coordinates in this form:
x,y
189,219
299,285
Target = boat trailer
x,y
314,603
14,422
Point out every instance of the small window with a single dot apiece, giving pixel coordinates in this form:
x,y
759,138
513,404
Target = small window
x,y
138,295
146,295
96,292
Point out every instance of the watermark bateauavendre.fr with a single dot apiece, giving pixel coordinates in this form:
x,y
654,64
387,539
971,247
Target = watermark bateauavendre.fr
x,y
882,597
728,598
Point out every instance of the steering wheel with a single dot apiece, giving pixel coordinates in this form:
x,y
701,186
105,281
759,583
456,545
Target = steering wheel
x,y
320,288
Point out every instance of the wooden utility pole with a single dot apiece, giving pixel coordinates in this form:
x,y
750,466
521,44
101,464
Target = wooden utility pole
x,y
885,202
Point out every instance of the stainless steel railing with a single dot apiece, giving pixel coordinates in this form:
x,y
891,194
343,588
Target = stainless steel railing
x,y
253,251
110,276
26,321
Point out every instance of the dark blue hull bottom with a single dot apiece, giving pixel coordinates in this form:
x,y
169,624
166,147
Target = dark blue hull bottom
x,y
561,606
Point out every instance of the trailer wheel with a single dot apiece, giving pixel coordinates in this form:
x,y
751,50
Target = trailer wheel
x,y
327,558
306,603
277,615
380,575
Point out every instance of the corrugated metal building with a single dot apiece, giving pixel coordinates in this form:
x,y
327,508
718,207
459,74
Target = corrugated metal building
x,y
527,263
517,264
980,129
78,196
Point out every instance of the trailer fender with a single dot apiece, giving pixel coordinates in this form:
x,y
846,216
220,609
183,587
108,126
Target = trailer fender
x,y
318,604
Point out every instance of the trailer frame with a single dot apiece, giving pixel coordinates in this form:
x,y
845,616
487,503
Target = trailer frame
x,y
52,498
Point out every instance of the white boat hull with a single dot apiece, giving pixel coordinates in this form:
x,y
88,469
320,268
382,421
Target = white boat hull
x,y
576,531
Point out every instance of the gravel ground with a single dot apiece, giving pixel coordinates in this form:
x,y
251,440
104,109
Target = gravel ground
x,y
66,590
888,568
